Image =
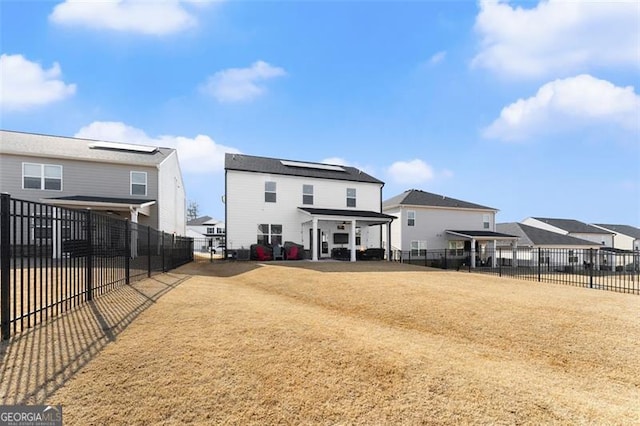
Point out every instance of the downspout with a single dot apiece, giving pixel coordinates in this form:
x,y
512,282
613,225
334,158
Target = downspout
x,y
389,238
226,218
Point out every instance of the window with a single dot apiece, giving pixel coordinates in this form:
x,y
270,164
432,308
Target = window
x,y
42,228
269,234
418,248
307,194
269,192
572,257
456,248
411,218
219,230
211,230
485,221
138,183
351,197
41,176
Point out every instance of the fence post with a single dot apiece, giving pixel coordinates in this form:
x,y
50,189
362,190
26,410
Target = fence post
x,y
127,251
148,251
89,263
162,249
5,267
445,259
500,261
591,268
539,262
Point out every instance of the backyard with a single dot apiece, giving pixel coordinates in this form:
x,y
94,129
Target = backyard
x,y
334,342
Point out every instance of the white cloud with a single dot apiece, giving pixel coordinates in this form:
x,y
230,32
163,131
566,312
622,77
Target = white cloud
x,y
410,172
557,37
570,102
197,155
25,84
137,16
437,58
241,84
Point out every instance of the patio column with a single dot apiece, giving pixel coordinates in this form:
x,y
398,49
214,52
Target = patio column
x,y
514,261
473,253
388,248
494,261
314,237
353,241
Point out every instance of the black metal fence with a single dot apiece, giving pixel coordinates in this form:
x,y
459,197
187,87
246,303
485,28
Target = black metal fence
x,y
605,269
53,259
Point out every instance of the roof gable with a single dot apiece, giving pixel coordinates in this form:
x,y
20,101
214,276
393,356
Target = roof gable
x,y
416,197
250,163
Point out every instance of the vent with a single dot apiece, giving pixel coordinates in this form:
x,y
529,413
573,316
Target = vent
x,y
114,146
317,166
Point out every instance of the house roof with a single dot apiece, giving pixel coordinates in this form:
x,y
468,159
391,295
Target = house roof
x,y
572,226
348,213
92,199
36,145
202,220
532,236
249,163
416,197
628,230
491,235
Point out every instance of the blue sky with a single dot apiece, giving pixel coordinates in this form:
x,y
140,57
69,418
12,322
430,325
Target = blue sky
x,y
531,108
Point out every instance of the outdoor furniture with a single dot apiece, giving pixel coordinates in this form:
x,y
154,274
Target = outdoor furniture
x,y
278,252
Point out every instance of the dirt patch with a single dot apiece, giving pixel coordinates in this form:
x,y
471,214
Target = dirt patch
x,y
391,344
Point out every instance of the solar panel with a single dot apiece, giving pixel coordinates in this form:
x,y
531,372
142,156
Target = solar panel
x,y
312,165
123,147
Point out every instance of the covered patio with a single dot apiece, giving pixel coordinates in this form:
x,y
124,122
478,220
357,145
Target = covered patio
x,y
482,245
324,223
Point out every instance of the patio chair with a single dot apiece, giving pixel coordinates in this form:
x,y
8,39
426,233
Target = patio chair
x,y
278,252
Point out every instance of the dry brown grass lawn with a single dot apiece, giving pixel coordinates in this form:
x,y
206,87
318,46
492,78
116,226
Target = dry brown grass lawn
x,y
369,343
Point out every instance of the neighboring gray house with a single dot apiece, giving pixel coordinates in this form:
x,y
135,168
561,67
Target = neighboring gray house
x,y
539,246
326,208
207,232
140,183
428,221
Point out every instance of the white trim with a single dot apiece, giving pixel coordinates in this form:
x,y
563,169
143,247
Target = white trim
x,y
146,182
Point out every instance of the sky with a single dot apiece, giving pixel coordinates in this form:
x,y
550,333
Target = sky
x,y
532,108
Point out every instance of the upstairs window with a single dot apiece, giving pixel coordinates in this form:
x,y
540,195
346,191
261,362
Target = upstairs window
x,y
411,218
41,176
211,230
485,221
307,194
138,183
269,192
351,197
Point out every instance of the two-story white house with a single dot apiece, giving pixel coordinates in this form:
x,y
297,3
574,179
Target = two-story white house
x,y
319,206
625,237
140,183
428,221
208,233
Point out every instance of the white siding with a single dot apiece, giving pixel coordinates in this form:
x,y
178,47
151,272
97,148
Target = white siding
x,y
171,197
246,208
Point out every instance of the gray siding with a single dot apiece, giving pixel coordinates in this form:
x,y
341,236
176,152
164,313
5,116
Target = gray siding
x,y
79,178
